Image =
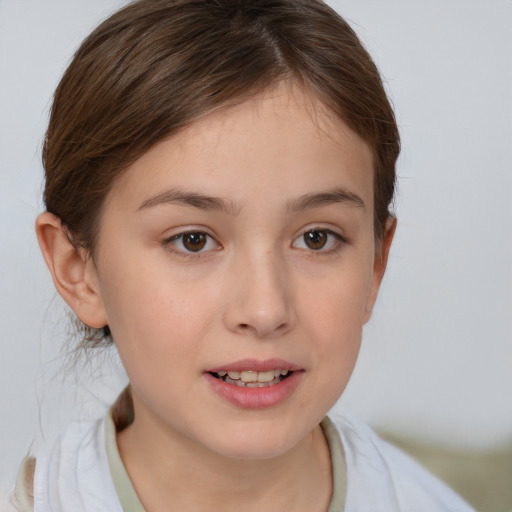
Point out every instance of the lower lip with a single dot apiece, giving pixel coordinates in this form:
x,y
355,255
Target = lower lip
x,y
255,398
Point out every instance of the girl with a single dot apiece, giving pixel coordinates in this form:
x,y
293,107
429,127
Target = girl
x,y
218,182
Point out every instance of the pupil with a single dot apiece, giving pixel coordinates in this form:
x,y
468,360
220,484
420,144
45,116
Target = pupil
x,y
194,241
315,239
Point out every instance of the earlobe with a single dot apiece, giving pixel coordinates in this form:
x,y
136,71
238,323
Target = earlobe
x,y
74,275
379,266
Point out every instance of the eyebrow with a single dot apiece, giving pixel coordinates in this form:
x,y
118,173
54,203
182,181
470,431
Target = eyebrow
x,y
316,200
201,201
209,203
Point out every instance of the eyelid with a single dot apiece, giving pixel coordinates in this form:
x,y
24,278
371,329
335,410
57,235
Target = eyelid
x,y
341,240
167,242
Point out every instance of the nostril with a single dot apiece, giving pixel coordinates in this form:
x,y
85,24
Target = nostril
x,y
247,328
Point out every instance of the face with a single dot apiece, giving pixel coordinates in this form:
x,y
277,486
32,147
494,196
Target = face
x,y
236,268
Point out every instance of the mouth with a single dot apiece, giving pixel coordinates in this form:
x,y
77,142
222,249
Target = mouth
x,y
251,378
255,384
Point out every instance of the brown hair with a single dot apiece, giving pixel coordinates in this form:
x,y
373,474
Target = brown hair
x,y
157,66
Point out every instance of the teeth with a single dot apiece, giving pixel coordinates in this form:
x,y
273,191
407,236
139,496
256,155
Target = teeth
x,y
249,376
266,376
253,379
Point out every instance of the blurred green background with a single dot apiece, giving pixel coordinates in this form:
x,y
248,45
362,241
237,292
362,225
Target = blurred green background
x,y
482,478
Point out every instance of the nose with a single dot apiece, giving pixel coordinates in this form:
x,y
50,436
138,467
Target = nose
x,y
260,297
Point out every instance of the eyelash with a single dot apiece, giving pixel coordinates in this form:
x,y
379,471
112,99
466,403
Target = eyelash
x,y
337,244
170,243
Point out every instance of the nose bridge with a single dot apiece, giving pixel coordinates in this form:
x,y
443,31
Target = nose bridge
x,y
260,302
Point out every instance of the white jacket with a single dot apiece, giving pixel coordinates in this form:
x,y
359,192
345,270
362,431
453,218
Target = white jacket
x,y
74,476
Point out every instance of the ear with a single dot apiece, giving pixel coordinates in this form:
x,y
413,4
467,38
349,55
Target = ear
x,y
379,266
73,272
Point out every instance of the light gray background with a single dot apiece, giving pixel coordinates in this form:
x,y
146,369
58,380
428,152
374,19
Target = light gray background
x,y
437,356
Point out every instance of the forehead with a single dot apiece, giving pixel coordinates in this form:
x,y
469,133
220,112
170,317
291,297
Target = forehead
x,y
279,144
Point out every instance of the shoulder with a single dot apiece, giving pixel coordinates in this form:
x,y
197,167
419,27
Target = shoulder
x,y
22,498
71,474
394,478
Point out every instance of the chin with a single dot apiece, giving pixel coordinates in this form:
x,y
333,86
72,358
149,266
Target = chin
x,y
256,442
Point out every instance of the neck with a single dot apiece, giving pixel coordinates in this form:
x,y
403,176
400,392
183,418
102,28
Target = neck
x,y
168,468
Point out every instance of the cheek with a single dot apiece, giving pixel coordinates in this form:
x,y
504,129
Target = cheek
x,y
336,304
155,320
159,343
337,327
334,316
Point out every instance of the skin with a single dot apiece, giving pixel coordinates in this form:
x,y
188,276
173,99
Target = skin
x,y
256,290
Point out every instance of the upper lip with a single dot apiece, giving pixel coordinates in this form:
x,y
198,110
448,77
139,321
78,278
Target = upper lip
x,y
255,365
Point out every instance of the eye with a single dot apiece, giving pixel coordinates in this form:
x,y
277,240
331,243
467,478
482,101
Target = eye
x,y
191,242
316,239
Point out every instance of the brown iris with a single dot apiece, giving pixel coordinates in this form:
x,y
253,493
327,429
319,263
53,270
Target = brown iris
x,y
194,241
315,239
